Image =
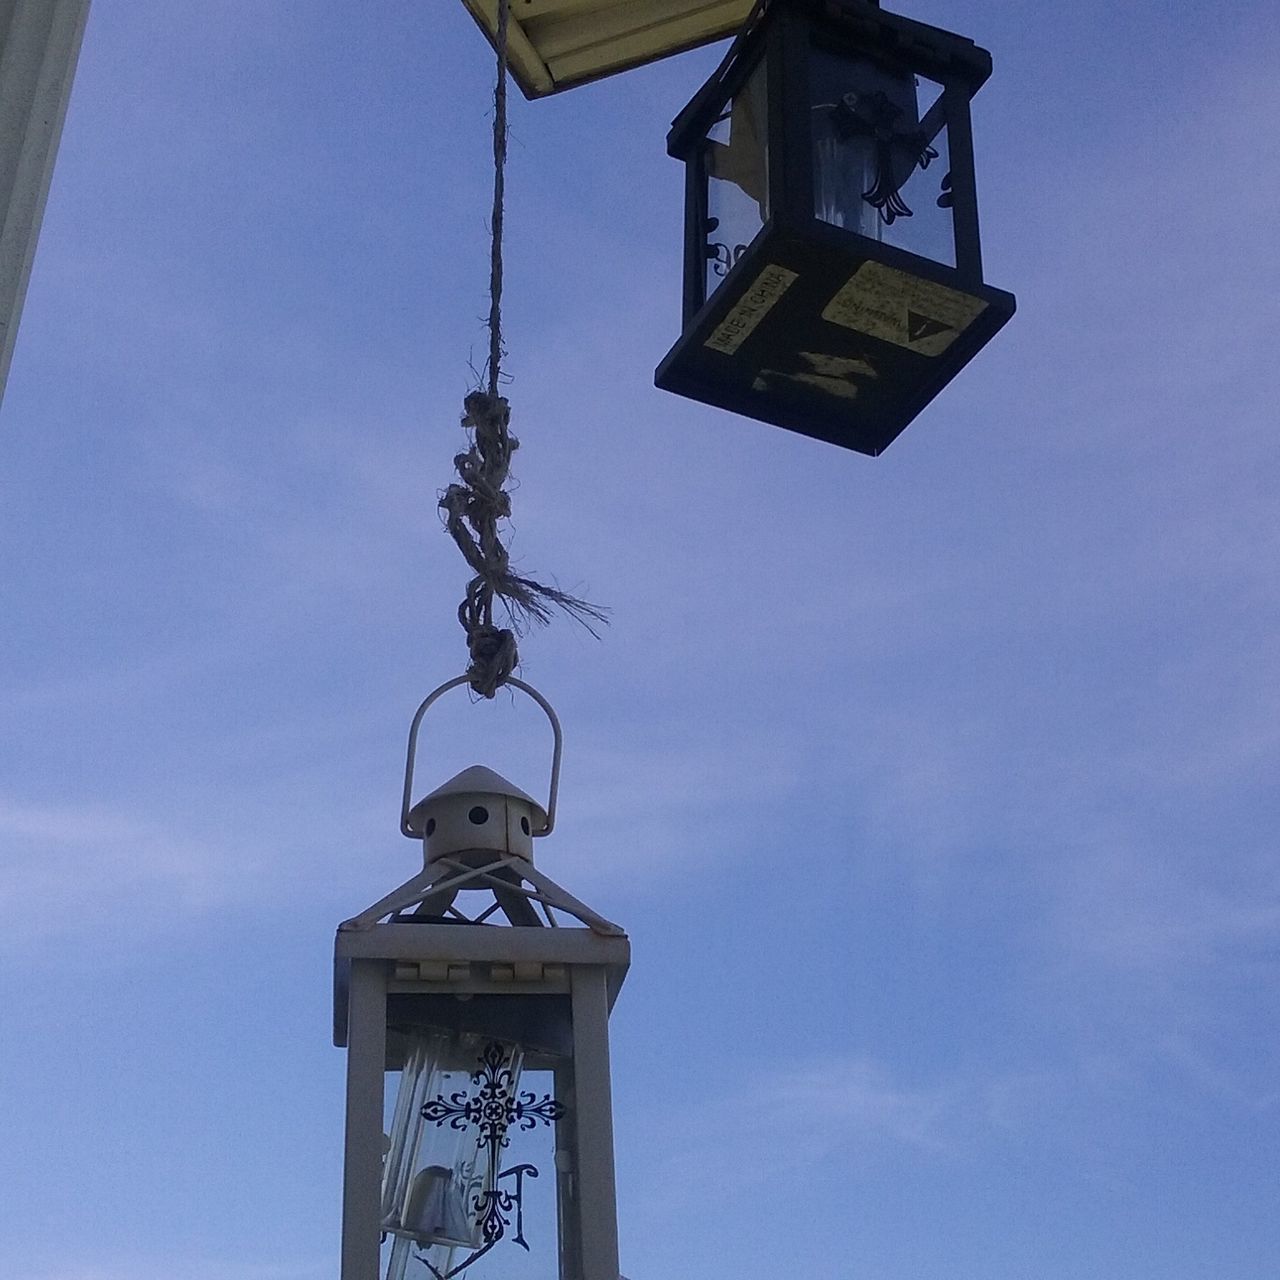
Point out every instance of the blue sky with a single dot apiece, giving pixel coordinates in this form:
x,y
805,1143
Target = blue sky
x,y
937,792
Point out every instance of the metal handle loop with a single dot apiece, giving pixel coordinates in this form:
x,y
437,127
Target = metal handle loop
x,y
557,747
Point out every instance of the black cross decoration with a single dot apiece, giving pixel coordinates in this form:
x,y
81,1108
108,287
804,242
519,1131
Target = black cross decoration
x,y
493,1109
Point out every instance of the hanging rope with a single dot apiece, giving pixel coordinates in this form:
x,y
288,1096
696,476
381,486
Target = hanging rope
x,y
473,508
499,201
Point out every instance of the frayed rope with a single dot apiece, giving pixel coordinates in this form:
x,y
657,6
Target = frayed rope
x,y
472,510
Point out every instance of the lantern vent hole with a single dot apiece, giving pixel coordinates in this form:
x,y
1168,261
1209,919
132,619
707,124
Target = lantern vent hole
x,y
431,826
524,825
479,815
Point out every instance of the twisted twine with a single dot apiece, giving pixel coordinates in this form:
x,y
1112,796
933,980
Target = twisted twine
x,y
472,511
499,200
473,508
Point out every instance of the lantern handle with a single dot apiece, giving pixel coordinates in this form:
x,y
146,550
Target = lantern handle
x,y
432,697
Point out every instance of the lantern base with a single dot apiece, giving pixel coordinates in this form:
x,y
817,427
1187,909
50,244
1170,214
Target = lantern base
x,y
833,335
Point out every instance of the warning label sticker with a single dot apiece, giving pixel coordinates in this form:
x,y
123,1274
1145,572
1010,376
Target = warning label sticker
x,y
909,312
751,308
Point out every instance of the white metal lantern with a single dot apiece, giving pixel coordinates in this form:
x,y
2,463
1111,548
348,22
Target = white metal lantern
x,y
491,1153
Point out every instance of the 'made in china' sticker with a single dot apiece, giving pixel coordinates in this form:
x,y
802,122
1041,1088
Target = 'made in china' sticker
x,y
751,308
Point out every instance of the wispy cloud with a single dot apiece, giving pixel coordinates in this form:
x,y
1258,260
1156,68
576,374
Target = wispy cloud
x,y
798,1113
157,1268
1131,907
73,863
846,1111
815,1109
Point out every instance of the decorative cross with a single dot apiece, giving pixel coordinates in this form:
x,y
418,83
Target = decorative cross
x,y
493,1109
899,151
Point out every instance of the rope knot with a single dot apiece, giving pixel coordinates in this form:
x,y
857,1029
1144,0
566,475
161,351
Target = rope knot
x,y
485,410
493,658
472,506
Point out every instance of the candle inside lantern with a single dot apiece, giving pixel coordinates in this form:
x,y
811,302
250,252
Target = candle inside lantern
x,y
449,1125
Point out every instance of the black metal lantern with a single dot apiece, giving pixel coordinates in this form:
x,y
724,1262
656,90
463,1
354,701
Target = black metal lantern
x,y
833,273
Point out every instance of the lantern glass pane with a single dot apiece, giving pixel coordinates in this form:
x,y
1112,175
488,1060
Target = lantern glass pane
x,y
736,164
469,1182
880,161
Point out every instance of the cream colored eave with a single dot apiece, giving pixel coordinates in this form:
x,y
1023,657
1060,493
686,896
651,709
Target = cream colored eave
x,y
556,44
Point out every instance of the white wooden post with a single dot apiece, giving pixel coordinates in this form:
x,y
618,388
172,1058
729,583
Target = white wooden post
x,y
366,1067
597,1196
39,45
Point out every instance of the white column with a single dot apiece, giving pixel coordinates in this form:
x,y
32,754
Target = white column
x,y
362,1164
597,1194
39,45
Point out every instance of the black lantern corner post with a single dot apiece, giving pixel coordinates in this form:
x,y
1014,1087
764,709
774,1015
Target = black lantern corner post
x,y
495,1140
833,272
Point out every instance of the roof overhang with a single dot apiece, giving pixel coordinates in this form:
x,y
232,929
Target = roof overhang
x,y
557,44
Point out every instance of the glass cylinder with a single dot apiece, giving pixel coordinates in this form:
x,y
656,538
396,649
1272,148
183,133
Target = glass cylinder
x,y
864,118
452,1110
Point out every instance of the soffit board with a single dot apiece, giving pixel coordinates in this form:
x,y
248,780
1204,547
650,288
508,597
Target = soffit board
x,y
556,44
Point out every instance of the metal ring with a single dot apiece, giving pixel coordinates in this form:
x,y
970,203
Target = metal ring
x,y
413,750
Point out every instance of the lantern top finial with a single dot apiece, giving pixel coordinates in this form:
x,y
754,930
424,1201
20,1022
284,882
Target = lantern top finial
x,y
477,781
479,778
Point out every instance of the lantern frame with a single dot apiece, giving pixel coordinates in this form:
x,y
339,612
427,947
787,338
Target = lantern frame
x,y
377,964
415,961
815,258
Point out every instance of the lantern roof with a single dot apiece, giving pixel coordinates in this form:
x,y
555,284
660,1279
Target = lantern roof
x,y
557,44
478,780
928,49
